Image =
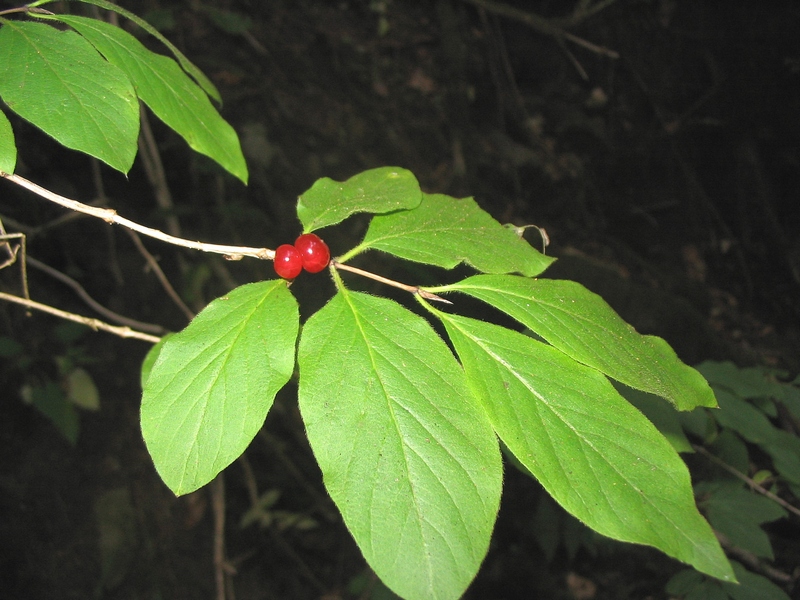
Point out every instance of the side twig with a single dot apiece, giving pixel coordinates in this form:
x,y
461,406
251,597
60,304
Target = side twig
x,y
736,473
96,324
162,278
414,289
111,216
91,302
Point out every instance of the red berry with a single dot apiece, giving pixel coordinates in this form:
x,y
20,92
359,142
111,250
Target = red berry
x,y
288,262
314,251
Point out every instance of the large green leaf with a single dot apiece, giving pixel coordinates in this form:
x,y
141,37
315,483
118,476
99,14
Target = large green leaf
x,y
405,451
168,91
583,326
187,65
57,81
375,191
445,232
8,149
212,384
600,458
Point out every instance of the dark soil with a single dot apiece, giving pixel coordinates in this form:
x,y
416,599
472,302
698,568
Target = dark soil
x,y
667,179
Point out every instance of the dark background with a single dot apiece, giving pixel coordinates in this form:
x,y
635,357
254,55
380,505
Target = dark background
x,y
663,161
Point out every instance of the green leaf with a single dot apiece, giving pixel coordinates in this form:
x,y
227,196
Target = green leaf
x,y
8,149
683,582
745,383
599,457
58,81
660,414
739,513
752,586
151,357
583,326
213,383
730,448
743,418
49,400
445,232
187,65
405,451
81,390
375,191
229,21
168,92
785,453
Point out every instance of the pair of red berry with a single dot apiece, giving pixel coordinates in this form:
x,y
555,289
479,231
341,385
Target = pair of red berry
x,y
309,252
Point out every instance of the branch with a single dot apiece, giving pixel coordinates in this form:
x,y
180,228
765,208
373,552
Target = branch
x,y
414,289
84,295
125,332
111,216
553,28
162,278
736,473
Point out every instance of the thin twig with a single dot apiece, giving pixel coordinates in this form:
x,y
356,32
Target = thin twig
x,y
13,252
159,273
154,169
583,11
217,490
125,332
323,501
91,302
737,473
753,561
111,216
414,289
551,27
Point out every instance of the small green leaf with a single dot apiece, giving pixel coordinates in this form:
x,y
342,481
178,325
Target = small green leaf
x,y
445,232
213,383
49,400
583,326
167,91
683,582
599,457
785,453
405,451
81,390
752,586
745,383
57,81
187,65
229,21
375,191
743,418
739,514
8,149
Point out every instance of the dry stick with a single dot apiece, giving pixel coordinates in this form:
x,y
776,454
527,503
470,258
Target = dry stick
x,y
94,304
12,256
125,332
414,289
111,216
736,473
